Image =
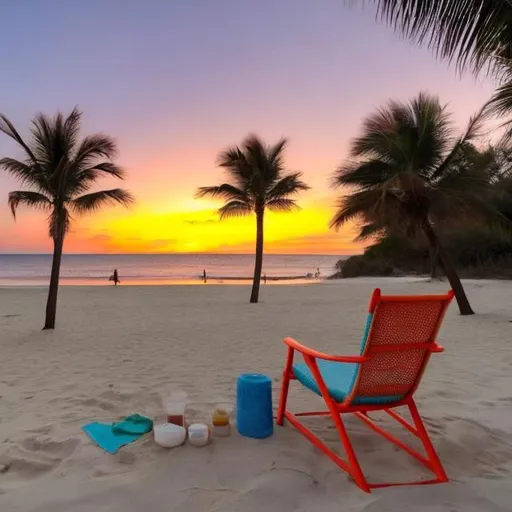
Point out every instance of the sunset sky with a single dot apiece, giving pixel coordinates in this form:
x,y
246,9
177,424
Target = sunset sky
x,y
176,81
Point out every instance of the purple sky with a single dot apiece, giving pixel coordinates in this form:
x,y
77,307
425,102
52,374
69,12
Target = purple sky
x,y
175,81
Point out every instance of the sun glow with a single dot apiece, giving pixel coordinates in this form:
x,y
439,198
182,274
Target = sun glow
x,y
194,226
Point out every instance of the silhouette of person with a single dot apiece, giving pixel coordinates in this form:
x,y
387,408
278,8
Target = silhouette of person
x,y
265,278
204,275
115,278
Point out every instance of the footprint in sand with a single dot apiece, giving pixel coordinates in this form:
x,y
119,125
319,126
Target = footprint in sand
x,y
35,455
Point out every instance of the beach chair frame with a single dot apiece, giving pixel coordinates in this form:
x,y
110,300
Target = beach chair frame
x,y
337,409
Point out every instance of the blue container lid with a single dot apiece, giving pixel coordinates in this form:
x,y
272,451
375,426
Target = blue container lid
x,y
255,378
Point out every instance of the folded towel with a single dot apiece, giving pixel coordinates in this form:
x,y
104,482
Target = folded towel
x,y
113,436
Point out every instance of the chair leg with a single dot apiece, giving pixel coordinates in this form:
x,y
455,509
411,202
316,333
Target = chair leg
x,y
287,375
427,443
356,473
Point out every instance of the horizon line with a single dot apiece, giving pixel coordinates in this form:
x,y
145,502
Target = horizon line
x,y
170,254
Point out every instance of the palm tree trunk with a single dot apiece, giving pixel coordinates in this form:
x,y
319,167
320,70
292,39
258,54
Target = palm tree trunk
x,y
51,303
434,256
449,270
259,258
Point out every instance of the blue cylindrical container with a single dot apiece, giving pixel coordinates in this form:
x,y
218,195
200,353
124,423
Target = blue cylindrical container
x,y
254,405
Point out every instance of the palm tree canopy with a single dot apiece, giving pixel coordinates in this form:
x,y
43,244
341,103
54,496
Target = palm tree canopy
x,y
58,168
407,167
476,33
257,179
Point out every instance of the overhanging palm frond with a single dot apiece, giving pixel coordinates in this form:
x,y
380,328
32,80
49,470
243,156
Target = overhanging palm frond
x,y
96,200
235,209
500,104
476,33
27,198
282,204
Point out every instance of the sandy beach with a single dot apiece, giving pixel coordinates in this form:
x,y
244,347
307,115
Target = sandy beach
x,y
117,350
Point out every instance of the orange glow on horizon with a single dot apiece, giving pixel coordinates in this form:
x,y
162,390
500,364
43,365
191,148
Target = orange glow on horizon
x,y
194,226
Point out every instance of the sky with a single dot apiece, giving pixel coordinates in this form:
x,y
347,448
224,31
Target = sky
x,y
177,81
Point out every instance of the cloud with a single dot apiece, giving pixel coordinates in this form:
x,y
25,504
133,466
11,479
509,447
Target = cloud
x,y
198,222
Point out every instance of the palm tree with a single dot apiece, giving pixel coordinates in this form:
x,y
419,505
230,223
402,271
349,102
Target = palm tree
x,y
411,174
477,34
257,182
58,170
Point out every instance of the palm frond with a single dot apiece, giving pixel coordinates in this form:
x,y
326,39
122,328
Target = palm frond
x,y
473,131
234,162
282,204
94,147
235,209
367,205
96,200
500,105
25,173
371,173
289,185
8,128
224,191
82,179
27,198
370,230
71,129
476,33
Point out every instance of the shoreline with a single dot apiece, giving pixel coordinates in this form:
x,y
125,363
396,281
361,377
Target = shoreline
x,y
101,282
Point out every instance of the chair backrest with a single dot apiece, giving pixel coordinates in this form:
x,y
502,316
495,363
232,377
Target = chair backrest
x,y
396,339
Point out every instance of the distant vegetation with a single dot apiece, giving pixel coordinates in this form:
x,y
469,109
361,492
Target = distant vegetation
x,y
480,248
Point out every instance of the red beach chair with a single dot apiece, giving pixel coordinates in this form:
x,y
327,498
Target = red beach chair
x,y
399,337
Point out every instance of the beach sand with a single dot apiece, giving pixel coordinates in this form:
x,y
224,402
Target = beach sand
x,y
116,350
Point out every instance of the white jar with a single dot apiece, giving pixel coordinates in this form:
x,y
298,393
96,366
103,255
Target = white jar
x,y
198,434
169,435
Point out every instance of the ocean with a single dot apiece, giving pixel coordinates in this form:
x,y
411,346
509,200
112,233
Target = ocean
x,y
95,269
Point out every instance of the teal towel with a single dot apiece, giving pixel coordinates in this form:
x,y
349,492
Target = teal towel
x,y
113,436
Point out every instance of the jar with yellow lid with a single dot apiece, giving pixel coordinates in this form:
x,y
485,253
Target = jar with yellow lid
x,y
220,422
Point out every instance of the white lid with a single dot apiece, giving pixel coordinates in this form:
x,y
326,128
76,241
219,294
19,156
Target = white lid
x,y
198,428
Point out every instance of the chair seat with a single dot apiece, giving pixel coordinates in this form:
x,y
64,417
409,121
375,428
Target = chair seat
x,y
339,379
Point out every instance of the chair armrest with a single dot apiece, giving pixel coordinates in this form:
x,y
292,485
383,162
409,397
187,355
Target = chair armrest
x,y
320,355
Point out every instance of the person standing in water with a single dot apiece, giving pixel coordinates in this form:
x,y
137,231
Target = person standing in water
x,y
204,276
115,277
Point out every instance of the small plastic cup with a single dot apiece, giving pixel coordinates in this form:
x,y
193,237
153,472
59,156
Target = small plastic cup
x,y
175,406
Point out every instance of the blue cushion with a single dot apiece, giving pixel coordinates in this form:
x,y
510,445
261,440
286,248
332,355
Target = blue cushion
x,y
339,379
367,326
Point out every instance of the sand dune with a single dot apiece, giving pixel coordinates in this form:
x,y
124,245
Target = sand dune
x,y
117,350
